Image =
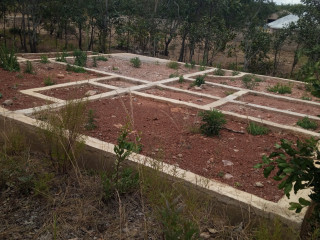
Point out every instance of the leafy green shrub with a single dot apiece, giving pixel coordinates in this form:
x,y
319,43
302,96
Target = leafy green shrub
x,y
101,58
202,68
44,59
256,129
250,81
297,169
173,65
181,79
306,123
29,68
235,73
174,224
80,58
191,65
280,88
75,69
199,80
8,60
91,122
48,82
136,62
213,122
219,72
62,57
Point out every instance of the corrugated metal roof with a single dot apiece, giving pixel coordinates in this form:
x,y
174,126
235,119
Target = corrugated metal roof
x,y
283,22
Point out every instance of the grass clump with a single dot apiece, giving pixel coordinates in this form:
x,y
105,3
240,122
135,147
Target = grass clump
x,y
280,88
235,73
29,68
306,123
101,58
190,65
250,81
199,81
135,62
181,79
80,58
8,60
213,122
75,69
62,57
219,72
91,122
44,59
48,82
173,65
173,75
256,129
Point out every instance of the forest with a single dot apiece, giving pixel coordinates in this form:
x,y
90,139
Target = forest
x,y
192,27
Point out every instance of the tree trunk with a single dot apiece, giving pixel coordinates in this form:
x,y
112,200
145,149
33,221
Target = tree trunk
x,y
80,35
181,56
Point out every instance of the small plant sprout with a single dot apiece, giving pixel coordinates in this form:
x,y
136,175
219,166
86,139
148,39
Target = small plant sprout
x,y
48,82
181,79
91,122
250,81
174,75
280,88
75,69
256,129
136,62
115,68
80,58
62,57
202,68
101,58
219,72
29,68
213,122
199,81
306,123
235,73
173,65
44,59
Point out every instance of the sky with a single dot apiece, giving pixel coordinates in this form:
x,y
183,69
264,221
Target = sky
x,y
287,1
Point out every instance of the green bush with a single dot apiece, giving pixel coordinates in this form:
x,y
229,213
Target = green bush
x,y
199,80
173,65
101,58
250,81
173,75
91,122
297,170
62,57
235,73
80,58
256,129
48,82
75,69
219,72
213,122
181,79
136,62
29,68
44,59
306,123
8,60
280,88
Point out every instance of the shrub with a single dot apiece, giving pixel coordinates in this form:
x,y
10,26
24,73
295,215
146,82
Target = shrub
x,y
199,80
29,68
213,122
280,88
235,73
256,129
250,81
101,58
62,57
91,122
8,60
219,72
181,79
75,69
173,75
136,62
44,59
306,123
297,170
80,58
202,68
173,65
48,82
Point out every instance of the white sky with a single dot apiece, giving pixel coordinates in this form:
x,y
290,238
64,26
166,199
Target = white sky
x,y
287,1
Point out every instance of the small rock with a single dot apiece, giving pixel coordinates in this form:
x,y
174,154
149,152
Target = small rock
x,y
205,235
268,116
212,230
113,116
7,102
180,155
227,163
236,150
60,75
227,176
91,93
259,184
119,125
199,100
197,88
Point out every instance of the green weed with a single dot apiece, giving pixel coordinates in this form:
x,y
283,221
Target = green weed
x,y
80,58
250,81
29,68
174,75
62,57
181,79
219,72
44,59
199,80
8,60
136,62
101,58
256,129
91,122
48,82
280,88
213,122
75,69
173,65
306,123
